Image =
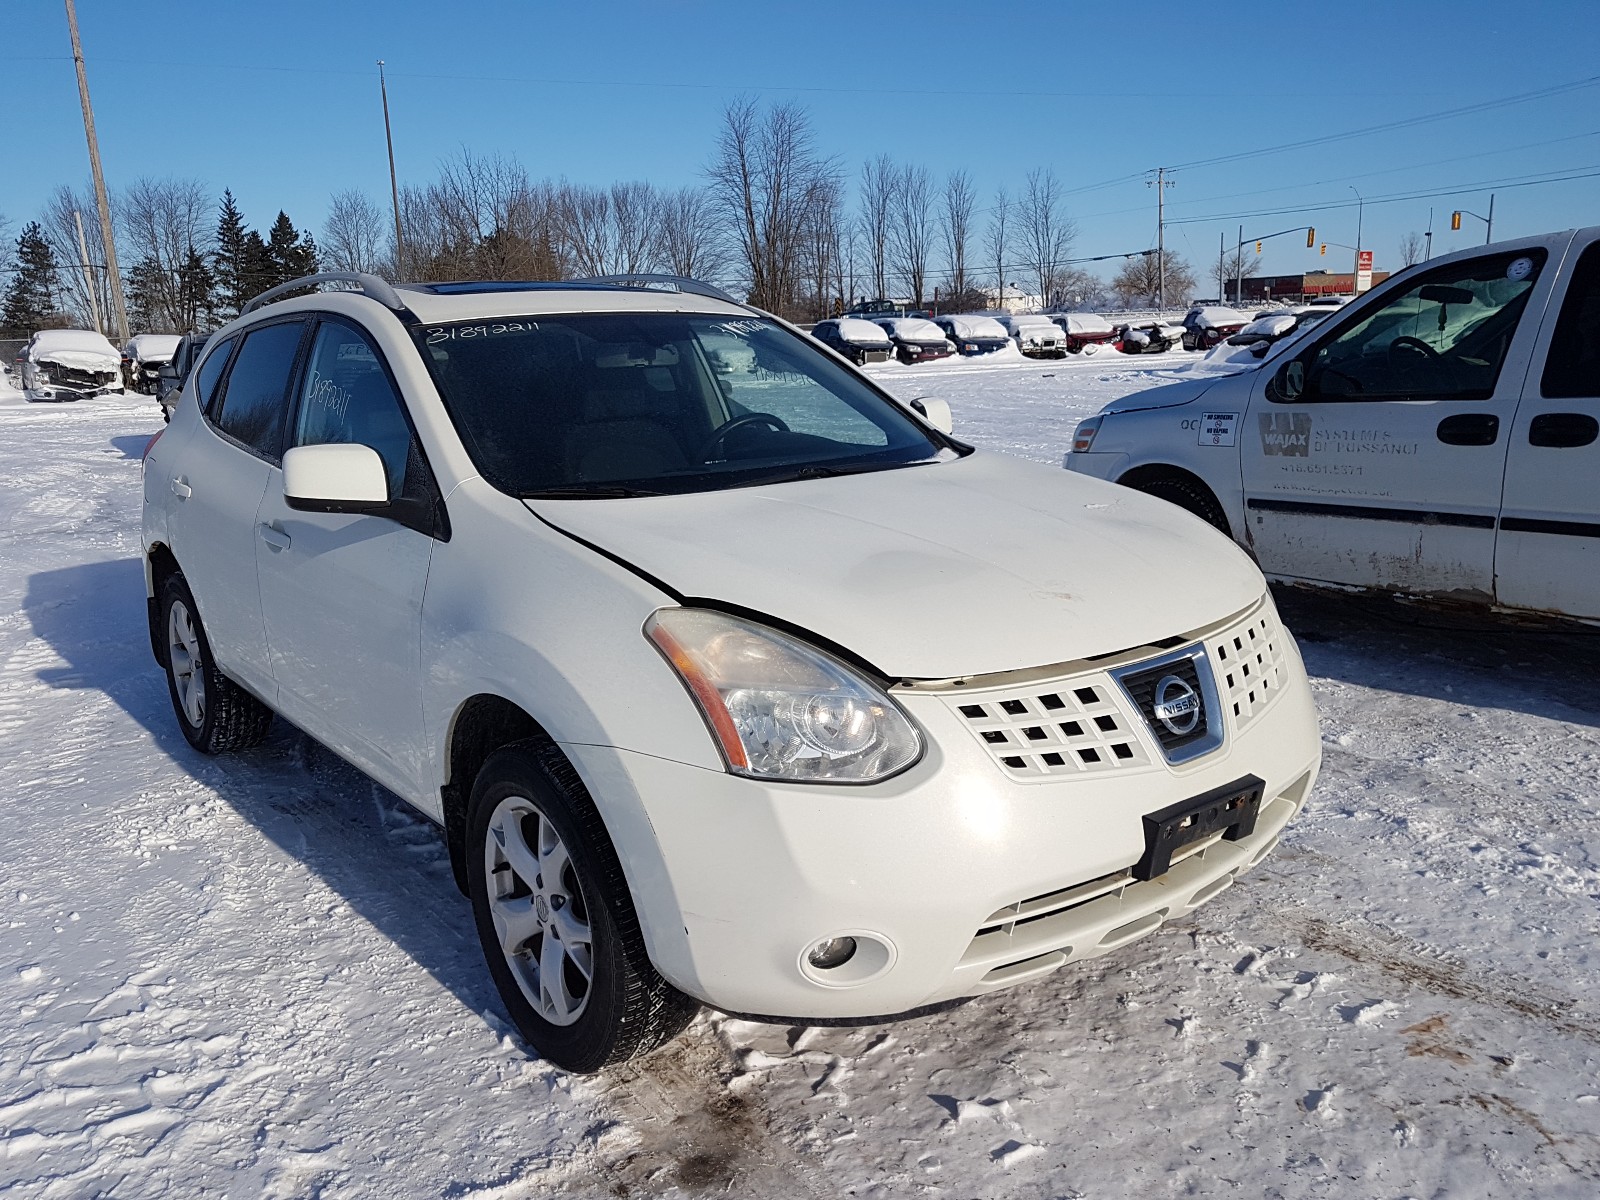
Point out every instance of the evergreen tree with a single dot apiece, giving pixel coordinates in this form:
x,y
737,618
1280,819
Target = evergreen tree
x,y
231,259
256,271
147,289
31,298
292,254
197,287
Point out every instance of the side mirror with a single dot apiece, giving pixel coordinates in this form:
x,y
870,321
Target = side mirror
x,y
168,372
1259,349
934,412
334,479
1291,379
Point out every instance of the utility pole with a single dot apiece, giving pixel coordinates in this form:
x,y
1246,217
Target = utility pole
x,y
1161,183
1488,233
113,276
394,186
1222,268
1428,237
88,274
1238,262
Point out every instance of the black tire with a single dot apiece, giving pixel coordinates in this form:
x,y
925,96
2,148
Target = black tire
x,y
629,1010
1190,496
230,718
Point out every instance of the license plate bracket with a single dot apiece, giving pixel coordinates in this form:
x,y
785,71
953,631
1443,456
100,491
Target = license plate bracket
x,y
1231,808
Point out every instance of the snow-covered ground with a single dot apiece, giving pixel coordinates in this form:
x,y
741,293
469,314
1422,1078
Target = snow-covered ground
x,y
253,976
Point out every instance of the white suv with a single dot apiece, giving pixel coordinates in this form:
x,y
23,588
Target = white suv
x,y
730,679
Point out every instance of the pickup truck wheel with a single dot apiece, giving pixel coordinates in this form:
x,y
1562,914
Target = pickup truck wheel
x,y
556,919
1190,496
214,713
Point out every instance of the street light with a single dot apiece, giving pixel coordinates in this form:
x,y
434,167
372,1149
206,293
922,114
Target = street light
x,y
1355,276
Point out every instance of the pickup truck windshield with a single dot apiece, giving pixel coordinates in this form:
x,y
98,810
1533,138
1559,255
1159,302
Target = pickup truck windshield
x,y
619,404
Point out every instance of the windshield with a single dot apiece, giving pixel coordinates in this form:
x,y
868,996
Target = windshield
x,y
602,405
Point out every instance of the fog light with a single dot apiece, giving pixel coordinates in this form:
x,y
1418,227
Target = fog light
x,y
831,953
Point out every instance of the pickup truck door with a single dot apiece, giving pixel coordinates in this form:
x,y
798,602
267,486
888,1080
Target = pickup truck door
x,y
1374,456
1548,553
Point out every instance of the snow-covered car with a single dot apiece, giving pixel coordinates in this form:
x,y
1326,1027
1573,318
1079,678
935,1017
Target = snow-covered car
x,y
1085,331
143,357
1148,337
1036,335
633,631
1438,437
973,333
1208,325
858,339
70,364
1271,327
916,339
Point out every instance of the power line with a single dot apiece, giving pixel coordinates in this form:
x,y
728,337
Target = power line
x,y
1587,172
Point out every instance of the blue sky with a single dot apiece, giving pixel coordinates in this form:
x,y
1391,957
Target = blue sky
x,y
279,101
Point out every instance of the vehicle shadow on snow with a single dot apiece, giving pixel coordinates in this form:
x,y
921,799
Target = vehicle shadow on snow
x,y
132,445
385,860
1474,659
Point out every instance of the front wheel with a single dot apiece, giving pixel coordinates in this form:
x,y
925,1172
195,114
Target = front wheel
x,y
1190,496
556,919
215,713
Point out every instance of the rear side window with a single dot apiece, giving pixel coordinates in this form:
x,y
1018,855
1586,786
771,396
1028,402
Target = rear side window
x,y
205,384
257,388
1573,368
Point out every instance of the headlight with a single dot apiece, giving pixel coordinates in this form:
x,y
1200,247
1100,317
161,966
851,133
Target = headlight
x,y
1083,438
780,709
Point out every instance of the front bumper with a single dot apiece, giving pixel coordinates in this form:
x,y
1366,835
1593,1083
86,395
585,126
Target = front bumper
x,y
968,874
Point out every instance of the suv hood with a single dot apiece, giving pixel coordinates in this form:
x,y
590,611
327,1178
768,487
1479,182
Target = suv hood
x,y
966,567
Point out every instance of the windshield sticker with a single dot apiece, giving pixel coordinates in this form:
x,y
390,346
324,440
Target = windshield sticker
x,y
1218,429
739,329
1286,433
461,333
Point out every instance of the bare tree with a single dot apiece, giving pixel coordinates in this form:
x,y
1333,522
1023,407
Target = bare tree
x,y
911,229
584,214
823,249
8,245
997,242
764,174
879,180
955,224
635,209
59,223
1411,250
1046,234
482,218
1139,278
354,235
162,222
690,245
1239,263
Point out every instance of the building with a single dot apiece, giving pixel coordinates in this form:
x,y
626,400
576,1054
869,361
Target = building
x,y
1297,289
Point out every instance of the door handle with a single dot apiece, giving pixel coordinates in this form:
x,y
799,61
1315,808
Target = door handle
x,y
180,487
1470,429
276,538
1563,430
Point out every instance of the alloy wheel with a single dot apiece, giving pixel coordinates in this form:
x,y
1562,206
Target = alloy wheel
x,y
188,665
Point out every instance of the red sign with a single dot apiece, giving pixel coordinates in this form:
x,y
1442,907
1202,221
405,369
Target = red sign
x,y
1364,260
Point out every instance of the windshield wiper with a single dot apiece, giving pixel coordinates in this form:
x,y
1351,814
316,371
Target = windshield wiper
x,y
589,491
824,471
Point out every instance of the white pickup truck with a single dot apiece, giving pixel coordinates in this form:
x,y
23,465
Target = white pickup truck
x,y
1438,437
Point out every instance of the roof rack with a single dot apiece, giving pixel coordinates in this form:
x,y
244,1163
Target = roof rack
x,y
370,285
666,283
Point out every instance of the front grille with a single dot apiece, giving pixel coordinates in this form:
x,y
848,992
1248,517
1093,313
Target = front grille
x,y
1141,688
1248,663
1091,722
1064,727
